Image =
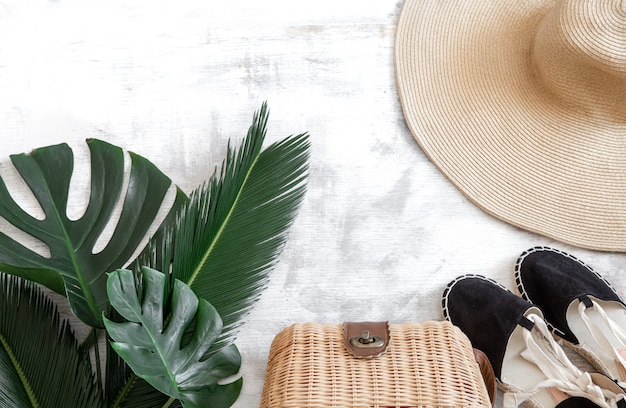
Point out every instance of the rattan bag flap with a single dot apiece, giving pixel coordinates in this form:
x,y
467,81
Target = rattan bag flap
x,y
427,364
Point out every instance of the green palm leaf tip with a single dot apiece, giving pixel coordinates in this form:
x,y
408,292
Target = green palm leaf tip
x,y
229,235
41,363
152,346
72,268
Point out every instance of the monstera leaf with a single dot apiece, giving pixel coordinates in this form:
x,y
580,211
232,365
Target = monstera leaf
x,y
152,344
72,267
41,363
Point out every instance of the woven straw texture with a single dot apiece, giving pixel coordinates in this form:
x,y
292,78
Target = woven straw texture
x,y
429,364
522,106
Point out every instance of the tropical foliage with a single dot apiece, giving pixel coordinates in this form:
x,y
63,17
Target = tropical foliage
x,y
153,346
41,363
215,250
72,268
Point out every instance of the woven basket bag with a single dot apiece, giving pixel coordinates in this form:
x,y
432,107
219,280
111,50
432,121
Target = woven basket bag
x,y
427,364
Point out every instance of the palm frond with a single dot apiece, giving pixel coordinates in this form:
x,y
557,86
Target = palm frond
x,y
229,235
238,223
41,363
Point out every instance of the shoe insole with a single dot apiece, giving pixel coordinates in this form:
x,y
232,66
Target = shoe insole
x,y
588,346
523,374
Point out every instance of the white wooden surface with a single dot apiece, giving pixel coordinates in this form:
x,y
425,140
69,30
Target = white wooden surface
x,y
381,231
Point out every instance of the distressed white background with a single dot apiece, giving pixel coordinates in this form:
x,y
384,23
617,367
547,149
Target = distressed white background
x,y
381,231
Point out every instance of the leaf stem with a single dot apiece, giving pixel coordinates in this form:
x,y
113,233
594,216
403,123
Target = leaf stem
x,y
20,372
124,391
87,344
96,351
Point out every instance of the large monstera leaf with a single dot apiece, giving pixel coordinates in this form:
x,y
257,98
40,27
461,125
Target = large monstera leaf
x,y
72,267
153,344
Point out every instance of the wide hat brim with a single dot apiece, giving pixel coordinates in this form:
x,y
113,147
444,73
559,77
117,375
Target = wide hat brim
x,y
472,100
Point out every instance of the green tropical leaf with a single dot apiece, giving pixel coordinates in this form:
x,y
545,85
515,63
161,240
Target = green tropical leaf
x,y
41,363
72,268
125,390
154,348
230,233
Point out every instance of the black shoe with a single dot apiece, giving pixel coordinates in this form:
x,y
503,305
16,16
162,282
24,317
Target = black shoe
x,y
513,335
581,306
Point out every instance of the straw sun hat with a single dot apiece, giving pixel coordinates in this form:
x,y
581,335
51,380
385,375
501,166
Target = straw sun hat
x,y
522,105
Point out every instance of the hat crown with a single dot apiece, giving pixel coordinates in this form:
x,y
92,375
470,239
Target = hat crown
x,y
520,104
580,48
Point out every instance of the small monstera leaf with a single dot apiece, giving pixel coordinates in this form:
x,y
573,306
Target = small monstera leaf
x,y
154,348
72,267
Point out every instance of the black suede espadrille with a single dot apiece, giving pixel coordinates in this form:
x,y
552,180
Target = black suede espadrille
x,y
529,365
580,306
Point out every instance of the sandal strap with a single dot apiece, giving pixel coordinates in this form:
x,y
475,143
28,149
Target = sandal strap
x,y
561,373
601,337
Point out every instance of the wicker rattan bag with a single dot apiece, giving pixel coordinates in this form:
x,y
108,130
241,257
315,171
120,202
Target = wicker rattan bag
x,y
428,364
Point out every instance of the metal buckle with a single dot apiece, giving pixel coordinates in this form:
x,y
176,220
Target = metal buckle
x,y
367,341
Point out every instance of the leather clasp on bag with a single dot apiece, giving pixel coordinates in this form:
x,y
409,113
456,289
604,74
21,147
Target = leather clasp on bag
x,y
366,339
